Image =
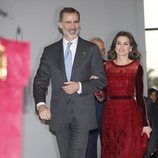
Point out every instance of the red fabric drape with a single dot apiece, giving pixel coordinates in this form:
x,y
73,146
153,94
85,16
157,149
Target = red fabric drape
x,y
11,97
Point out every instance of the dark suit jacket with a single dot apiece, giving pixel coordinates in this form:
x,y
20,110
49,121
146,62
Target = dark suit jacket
x,y
87,62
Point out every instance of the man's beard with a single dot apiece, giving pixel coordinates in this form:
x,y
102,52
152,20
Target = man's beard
x,y
72,32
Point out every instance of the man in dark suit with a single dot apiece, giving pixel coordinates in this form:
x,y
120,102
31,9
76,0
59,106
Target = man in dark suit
x,y
91,151
152,112
72,111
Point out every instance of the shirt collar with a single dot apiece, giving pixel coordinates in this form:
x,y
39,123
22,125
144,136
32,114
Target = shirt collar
x,y
74,41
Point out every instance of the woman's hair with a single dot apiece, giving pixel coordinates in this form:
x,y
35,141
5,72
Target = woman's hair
x,y
133,55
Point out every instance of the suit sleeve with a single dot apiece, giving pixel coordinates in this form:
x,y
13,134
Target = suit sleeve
x,y
42,79
97,69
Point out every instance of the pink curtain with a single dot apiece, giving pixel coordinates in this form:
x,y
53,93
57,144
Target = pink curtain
x,y
11,97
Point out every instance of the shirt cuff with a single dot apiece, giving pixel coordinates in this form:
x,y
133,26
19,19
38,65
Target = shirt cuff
x,y
40,103
80,88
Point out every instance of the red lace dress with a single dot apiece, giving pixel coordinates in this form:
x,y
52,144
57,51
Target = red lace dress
x,y
124,116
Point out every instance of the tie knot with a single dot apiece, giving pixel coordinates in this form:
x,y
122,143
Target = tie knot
x,y
69,44
68,51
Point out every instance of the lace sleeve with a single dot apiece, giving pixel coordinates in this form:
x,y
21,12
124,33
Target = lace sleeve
x,y
139,94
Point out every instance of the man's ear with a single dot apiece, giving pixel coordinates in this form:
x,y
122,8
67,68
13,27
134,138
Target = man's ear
x,y
59,25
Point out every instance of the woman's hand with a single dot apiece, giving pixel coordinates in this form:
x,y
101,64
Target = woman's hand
x,y
93,77
147,130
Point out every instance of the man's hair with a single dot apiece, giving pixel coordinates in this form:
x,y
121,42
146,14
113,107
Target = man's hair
x,y
68,10
151,90
96,39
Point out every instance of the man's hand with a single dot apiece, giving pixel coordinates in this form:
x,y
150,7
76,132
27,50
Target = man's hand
x,y
70,87
44,112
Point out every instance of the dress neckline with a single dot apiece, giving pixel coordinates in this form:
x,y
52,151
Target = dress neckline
x,y
123,65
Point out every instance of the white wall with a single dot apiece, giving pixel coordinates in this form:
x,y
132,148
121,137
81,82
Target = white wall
x,y
38,21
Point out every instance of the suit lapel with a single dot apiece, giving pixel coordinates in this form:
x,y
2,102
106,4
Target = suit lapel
x,y
78,58
60,60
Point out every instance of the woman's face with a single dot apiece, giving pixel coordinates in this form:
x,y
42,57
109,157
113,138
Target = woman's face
x,y
123,46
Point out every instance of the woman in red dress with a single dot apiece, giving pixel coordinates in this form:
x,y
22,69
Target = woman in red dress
x,y
124,119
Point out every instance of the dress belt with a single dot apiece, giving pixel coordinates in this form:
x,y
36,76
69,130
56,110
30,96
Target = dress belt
x,y
120,97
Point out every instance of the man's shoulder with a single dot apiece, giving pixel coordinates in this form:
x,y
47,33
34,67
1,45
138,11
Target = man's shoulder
x,y
54,45
85,42
53,49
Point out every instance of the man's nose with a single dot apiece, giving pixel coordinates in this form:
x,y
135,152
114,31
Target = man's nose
x,y
72,25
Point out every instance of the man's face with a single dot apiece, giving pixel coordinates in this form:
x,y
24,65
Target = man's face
x,y
153,96
70,25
